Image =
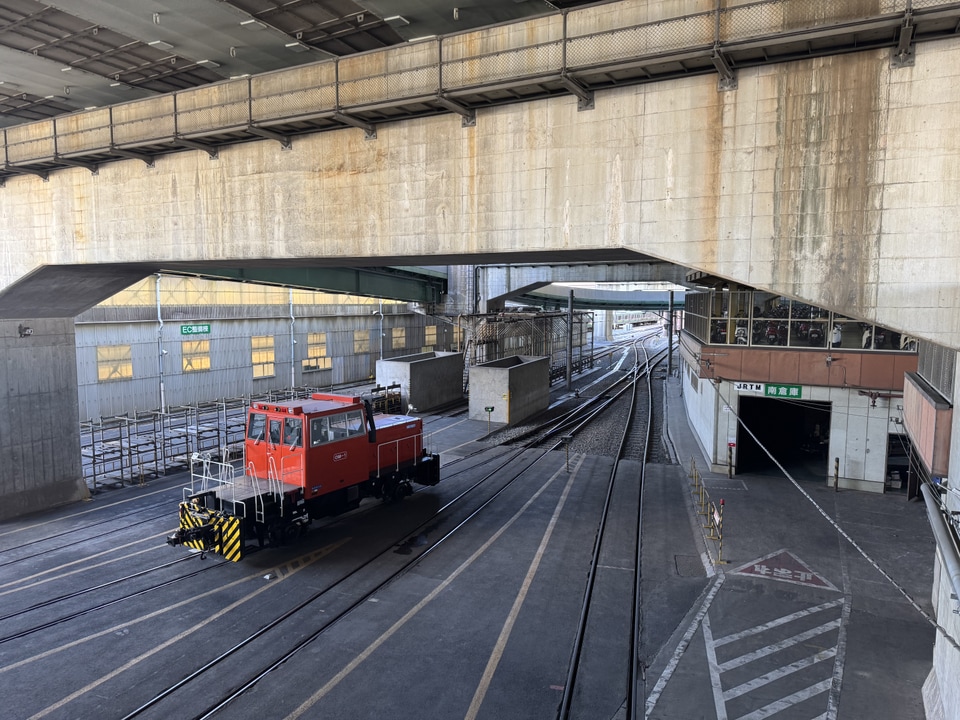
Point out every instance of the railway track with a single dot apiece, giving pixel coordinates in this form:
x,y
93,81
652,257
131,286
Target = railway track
x,y
483,475
376,577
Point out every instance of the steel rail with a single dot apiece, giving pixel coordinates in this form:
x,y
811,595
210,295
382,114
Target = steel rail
x,y
265,670
639,371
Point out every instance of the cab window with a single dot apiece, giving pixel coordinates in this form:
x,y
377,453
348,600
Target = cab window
x,y
292,432
257,426
274,432
320,431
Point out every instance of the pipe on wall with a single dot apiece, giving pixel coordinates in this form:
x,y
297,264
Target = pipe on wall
x,y
944,538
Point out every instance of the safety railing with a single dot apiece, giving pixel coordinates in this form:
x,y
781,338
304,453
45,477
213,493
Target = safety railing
x,y
711,512
554,46
388,453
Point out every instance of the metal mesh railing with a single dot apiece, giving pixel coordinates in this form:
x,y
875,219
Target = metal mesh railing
x,y
414,82
500,54
306,91
28,143
79,133
770,17
501,66
209,108
640,40
144,121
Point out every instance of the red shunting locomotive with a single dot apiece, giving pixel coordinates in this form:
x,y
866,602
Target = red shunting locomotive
x,y
303,459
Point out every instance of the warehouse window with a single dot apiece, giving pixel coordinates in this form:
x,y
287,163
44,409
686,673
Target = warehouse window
x,y
316,352
430,337
361,341
261,354
399,338
196,355
114,362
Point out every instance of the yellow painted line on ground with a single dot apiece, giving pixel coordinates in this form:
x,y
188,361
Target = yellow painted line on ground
x,y
501,644
357,661
84,561
179,488
283,572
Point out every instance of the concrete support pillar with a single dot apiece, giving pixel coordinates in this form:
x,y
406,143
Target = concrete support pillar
x,y
40,462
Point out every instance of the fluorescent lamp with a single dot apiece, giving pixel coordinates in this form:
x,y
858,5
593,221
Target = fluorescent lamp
x,y
160,45
396,21
297,47
252,24
208,64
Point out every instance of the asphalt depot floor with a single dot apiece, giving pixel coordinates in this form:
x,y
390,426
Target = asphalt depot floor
x,y
797,622
796,625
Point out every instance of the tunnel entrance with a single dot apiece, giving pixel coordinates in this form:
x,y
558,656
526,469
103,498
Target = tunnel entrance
x,y
796,432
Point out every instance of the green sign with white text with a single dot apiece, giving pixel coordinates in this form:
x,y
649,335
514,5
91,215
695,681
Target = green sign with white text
x,y
195,329
791,392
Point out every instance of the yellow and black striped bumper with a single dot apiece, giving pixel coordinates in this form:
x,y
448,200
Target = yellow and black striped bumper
x,y
211,531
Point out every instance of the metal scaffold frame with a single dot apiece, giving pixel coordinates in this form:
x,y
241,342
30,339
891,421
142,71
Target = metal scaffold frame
x,y
496,336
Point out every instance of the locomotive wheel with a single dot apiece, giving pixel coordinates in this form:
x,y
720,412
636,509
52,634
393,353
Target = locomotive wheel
x,y
390,490
290,533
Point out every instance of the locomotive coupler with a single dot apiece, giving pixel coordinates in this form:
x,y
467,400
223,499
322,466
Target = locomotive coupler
x,y
203,533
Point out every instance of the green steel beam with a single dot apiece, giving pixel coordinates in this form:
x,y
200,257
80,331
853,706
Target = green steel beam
x,y
378,283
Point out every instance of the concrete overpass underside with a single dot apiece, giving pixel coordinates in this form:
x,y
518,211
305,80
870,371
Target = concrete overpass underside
x,y
830,180
825,180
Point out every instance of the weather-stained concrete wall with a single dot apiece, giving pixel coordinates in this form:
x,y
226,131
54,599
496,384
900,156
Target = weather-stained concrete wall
x,y
427,380
39,427
516,387
829,180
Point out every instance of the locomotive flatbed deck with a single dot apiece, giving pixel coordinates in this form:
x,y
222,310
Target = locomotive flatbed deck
x,y
247,486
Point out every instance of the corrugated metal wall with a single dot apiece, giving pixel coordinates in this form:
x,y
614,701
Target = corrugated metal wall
x,y
228,316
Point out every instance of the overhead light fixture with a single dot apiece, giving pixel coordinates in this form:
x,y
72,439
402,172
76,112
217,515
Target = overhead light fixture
x,y
252,24
297,47
208,64
396,21
66,69
422,37
160,45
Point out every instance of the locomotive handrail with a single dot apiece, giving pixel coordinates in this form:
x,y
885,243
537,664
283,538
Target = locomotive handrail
x,y
417,451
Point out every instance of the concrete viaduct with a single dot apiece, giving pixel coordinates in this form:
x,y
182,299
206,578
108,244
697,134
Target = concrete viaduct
x,y
831,180
834,180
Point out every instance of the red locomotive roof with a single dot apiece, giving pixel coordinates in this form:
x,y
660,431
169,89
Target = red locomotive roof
x,y
315,404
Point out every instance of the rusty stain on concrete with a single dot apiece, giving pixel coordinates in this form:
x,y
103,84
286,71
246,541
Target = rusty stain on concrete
x,y
827,179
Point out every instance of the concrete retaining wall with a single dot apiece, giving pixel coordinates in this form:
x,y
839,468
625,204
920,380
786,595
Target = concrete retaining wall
x,y
427,380
39,425
516,387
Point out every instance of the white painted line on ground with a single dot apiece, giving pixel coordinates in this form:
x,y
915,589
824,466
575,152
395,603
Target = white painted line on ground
x,y
178,487
412,612
494,661
789,701
682,646
833,702
780,672
718,694
776,623
777,647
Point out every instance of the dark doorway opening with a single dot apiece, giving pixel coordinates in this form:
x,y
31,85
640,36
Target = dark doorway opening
x,y
796,432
